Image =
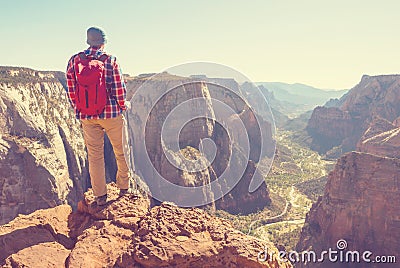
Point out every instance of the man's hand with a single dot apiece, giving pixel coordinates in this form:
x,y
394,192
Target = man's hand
x,y
128,105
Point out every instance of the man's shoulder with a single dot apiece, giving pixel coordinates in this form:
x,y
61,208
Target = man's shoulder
x,y
75,55
110,56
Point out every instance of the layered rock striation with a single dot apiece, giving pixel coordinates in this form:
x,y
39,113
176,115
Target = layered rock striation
x,y
382,138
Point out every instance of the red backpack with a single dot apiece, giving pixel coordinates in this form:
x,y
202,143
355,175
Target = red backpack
x,y
91,91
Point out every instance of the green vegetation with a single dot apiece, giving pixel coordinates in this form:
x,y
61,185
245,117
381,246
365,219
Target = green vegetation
x,y
295,166
243,222
296,179
284,234
313,188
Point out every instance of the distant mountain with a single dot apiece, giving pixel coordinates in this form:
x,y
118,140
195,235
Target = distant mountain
x,y
299,94
289,109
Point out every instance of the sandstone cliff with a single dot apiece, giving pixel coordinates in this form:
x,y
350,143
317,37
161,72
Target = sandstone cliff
x,y
361,202
160,140
42,156
381,138
341,127
360,205
125,233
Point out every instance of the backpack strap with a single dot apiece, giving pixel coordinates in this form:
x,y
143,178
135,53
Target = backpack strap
x,y
103,57
82,55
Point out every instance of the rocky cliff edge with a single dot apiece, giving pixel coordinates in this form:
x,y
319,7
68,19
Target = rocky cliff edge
x,y
126,233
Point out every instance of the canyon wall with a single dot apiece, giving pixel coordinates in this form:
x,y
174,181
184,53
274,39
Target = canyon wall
x,y
42,155
156,141
361,201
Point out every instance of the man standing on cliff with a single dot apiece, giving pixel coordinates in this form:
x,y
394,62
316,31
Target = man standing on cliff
x,y
97,92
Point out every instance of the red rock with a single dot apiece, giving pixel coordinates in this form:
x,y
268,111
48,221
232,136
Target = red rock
x,y
116,207
125,233
23,240
172,236
374,96
329,127
101,245
47,254
381,138
397,122
361,205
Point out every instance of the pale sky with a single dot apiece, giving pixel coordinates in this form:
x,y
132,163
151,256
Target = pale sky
x,y
325,44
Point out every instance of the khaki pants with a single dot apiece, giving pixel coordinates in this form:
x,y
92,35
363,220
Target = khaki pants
x,y
93,133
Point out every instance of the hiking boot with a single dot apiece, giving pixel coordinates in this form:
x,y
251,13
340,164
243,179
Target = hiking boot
x,y
101,200
128,192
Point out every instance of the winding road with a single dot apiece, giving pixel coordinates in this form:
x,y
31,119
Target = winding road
x,y
274,220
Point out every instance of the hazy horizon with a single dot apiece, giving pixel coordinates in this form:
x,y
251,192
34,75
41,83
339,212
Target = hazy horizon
x,y
323,45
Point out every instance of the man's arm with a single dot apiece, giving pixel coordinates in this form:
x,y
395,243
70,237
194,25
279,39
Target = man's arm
x,y
119,88
71,80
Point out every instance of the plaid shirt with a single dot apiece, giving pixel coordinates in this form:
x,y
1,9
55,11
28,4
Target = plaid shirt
x,y
117,92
